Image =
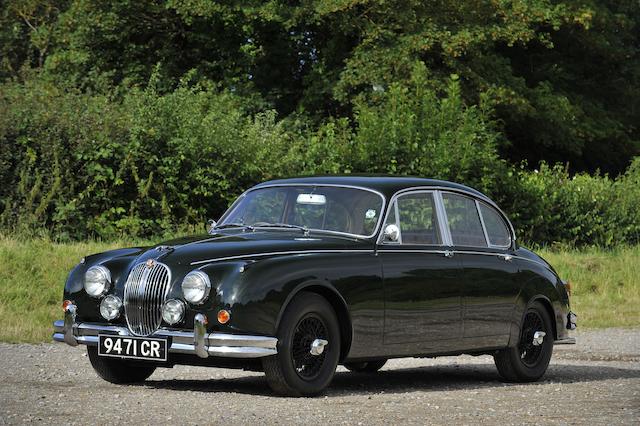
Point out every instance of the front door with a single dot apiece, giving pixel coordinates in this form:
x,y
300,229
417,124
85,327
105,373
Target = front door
x,y
422,277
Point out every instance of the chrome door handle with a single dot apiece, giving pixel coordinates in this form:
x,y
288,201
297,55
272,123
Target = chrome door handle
x,y
448,253
506,257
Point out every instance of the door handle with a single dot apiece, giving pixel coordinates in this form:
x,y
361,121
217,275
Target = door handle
x,y
506,257
448,253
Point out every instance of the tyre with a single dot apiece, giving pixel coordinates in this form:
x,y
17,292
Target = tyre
x,y
308,348
119,371
529,359
365,366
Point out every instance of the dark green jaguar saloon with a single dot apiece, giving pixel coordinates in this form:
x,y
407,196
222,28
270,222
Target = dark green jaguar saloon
x,y
300,275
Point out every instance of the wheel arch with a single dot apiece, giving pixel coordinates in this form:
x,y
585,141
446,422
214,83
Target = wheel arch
x,y
338,304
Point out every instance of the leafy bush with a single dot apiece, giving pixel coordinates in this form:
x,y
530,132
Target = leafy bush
x,y
78,164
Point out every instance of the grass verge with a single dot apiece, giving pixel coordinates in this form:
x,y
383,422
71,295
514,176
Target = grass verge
x,y
606,284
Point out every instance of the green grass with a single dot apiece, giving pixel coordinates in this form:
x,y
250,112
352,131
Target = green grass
x,y
606,284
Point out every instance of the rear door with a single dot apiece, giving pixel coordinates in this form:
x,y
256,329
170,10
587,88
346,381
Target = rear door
x,y
482,241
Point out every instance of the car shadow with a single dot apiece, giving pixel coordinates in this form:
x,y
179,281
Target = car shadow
x,y
402,380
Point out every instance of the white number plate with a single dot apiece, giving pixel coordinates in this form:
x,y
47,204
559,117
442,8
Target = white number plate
x,y
132,347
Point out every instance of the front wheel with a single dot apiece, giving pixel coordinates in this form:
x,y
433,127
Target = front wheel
x,y
308,348
528,361
119,371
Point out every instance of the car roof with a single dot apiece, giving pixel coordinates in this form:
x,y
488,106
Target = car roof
x,y
387,185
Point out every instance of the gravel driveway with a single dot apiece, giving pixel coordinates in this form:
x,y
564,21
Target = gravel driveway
x,y
594,382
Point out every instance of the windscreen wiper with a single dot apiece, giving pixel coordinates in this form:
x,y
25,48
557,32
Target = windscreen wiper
x,y
234,225
304,229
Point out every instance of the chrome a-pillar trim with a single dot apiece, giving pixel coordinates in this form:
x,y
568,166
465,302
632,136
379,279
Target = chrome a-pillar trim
x,y
182,341
199,332
69,323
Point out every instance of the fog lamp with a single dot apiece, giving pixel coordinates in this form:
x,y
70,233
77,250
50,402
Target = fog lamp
x,y
173,311
110,307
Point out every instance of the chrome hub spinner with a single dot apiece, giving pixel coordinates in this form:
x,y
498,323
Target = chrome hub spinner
x,y
538,338
317,347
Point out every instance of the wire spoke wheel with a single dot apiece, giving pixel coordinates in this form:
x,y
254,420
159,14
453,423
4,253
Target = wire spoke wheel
x,y
307,365
530,354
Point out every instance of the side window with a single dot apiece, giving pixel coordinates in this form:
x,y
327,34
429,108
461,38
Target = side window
x,y
418,221
464,222
497,230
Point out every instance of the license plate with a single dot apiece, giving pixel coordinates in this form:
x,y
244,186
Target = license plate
x,y
132,347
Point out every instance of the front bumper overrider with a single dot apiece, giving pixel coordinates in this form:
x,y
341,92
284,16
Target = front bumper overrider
x,y
197,342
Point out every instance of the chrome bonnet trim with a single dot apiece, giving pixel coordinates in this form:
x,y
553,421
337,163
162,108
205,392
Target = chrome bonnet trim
x,y
183,342
279,253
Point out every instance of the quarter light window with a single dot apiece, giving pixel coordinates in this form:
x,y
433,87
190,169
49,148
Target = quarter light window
x,y
464,222
418,221
496,229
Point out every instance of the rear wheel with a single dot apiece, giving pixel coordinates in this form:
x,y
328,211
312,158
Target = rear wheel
x,y
365,366
119,371
308,348
528,361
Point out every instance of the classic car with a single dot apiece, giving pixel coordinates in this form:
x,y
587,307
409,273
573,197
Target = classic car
x,y
300,275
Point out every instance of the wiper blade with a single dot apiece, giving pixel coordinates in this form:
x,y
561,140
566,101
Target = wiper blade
x,y
234,225
280,225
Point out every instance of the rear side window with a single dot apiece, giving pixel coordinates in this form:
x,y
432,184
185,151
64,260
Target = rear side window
x,y
497,230
464,222
418,221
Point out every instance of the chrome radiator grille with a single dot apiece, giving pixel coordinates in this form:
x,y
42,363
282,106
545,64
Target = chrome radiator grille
x,y
144,294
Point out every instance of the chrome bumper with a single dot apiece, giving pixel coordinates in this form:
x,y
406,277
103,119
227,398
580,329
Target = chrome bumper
x,y
197,342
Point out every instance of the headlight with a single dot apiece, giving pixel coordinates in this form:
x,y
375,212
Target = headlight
x,y
110,307
196,287
97,280
173,311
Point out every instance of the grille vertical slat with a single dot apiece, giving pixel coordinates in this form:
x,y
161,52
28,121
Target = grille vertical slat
x,y
144,294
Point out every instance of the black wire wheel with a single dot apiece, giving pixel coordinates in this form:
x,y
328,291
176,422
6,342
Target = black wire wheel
x,y
308,347
311,329
530,350
528,360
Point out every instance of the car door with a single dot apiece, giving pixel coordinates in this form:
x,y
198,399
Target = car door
x,y
422,280
482,241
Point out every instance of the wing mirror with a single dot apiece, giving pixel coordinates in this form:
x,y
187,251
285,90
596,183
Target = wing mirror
x,y
210,225
391,233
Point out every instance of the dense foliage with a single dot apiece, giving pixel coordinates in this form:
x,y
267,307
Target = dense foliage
x,y
137,117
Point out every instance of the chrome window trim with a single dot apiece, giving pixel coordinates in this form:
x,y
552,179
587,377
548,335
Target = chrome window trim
x,y
475,203
484,227
394,204
280,253
486,234
329,185
481,197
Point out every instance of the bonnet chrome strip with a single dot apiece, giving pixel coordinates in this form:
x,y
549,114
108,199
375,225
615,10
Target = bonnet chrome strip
x,y
279,253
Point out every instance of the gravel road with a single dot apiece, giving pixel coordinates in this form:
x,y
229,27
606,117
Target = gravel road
x,y
596,381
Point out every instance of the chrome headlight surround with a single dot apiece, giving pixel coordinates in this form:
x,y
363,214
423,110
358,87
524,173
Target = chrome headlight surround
x,y
173,311
196,287
110,307
97,281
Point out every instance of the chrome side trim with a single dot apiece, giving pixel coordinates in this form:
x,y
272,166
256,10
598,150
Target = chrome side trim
x,y
276,185
482,253
184,342
278,253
